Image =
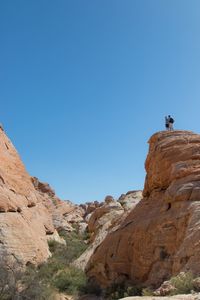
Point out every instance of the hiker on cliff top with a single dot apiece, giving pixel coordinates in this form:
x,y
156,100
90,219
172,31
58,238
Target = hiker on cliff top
x,y
169,121
166,123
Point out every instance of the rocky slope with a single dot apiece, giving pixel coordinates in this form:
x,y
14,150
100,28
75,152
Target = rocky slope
x,y
160,237
30,212
106,218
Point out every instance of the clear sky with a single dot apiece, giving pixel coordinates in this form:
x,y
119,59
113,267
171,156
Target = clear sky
x,y
85,83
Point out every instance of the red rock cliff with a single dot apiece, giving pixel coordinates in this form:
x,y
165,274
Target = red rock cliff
x,y
26,212
161,235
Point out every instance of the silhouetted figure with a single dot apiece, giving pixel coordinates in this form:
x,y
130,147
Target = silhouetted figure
x,y
166,123
171,122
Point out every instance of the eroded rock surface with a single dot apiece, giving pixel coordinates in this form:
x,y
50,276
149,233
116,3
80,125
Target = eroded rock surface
x,y
160,237
27,207
106,218
130,200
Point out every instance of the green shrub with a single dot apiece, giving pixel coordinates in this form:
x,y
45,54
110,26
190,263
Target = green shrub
x,y
117,291
147,292
46,271
86,235
183,283
32,287
52,245
92,287
71,280
75,244
36,290
42,281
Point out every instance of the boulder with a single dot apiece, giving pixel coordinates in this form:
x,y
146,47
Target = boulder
x,y
165,289
130,199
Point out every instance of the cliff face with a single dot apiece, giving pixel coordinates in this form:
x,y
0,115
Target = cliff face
x,y
160,237
27,210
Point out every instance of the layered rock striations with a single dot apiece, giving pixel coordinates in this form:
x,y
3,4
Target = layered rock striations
x,y
161,236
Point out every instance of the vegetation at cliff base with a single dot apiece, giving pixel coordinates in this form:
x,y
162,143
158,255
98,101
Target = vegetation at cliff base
x,y
59,275
117,291
183,283
58,271
55,275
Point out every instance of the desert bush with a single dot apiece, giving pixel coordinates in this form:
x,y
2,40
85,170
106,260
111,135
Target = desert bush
x,y
92,287
41,282
70,280
10,273
18,285
65,254
52,245
147,292
37,290
75,244
55,263
33,286
183,283
86,235
57,272
117,291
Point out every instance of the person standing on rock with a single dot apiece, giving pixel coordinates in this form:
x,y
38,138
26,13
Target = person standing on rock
x,y
166,123
171,122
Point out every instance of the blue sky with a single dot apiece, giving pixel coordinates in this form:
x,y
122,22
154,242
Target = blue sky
x,y
85,83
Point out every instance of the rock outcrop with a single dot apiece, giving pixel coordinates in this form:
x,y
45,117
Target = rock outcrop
x,y
102,220
130,200
161,236
106,218
27,210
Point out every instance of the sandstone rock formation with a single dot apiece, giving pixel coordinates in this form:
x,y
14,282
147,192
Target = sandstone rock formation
x,y
105,218
63,213
101,220
27,210
89,207
160,237
130,200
